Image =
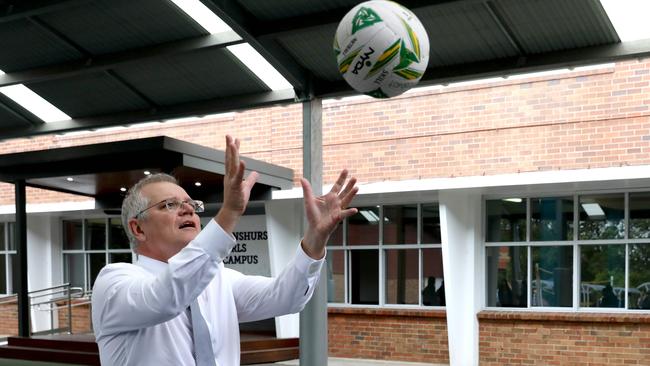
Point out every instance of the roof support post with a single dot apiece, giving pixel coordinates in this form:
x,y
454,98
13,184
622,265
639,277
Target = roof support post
x,y
313,319
21,271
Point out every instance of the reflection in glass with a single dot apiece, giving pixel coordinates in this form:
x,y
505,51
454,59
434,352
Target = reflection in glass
x,y
506,220
639,262
13,278
431,224
117,238
507,276
640,215
335,276
551,219
402,276
3,274
552,276
120,257
433,279
602,276
2,236
96,234
602,217
96,261
11,234
363,227
72,238
400,224
336,239
73,269
364,277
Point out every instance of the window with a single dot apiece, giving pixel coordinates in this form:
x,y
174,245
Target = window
x,y
88,245
536,247
8,258
387,255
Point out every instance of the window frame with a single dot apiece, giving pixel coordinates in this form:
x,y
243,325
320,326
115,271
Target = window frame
x,y
576,243
382,257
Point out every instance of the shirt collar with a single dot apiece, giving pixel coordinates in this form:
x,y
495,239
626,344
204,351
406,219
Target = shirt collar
x,y
151,265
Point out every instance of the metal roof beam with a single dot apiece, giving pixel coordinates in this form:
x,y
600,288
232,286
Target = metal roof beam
x,y
514,65
162,113
243,22
19,9
106,62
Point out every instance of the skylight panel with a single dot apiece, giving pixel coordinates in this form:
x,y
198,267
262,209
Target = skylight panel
x,y
33,102
244,51
629,17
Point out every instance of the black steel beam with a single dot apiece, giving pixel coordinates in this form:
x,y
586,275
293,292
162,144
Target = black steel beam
x,y
176,111
19,9
18,111
21,271
513,65
106,62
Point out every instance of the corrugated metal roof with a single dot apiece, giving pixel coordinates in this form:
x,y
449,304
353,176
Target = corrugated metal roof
x,y
107,62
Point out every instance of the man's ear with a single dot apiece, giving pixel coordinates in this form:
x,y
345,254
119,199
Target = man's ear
x,y
136,230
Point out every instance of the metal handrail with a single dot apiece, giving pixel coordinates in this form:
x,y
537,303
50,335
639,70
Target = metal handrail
x,y
65,293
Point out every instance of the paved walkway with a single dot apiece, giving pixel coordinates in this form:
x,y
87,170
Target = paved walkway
x,y
333,361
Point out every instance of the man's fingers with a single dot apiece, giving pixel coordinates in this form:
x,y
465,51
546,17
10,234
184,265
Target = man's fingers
x,y
336,188
307,192
345,200
348,187
348,212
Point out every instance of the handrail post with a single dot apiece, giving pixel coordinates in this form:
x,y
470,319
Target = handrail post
x,y
69,311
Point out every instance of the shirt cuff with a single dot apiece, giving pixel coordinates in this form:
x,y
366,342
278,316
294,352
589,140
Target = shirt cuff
x,y
215,241
307,264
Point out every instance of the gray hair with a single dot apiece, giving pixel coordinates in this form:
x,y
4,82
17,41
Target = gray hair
x,y
135,202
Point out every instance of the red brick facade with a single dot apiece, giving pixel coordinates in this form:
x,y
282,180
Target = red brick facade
x,y
576,120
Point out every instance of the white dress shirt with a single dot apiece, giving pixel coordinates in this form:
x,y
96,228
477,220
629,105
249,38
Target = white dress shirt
x,y
139,311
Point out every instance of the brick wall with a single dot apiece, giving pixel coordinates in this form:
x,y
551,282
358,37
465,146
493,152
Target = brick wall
x,y
81,321
8,319
523,338
387,334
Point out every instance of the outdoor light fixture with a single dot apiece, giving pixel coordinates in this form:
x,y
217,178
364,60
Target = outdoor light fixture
x,y
146,172
69,179
515,200
123,189
198,184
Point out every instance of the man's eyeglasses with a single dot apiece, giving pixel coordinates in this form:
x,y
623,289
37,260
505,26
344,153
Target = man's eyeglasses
x,y
173,204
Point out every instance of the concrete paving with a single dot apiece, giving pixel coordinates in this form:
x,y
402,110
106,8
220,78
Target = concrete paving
x,y
335,361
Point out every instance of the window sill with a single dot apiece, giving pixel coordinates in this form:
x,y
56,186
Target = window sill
x,y
635,318
424,313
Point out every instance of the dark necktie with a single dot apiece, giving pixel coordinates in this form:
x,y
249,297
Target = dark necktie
x,y
202,343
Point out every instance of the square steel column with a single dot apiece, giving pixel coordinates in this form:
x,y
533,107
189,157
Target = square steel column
x,y
21,245
313,319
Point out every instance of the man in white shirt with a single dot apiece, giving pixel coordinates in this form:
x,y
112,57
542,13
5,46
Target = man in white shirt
x,y
141,312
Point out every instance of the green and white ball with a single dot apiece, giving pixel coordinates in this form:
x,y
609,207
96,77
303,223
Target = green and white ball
x,y
381,48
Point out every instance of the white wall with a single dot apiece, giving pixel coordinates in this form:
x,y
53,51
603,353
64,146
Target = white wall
x,y
284,226
460,215
41,237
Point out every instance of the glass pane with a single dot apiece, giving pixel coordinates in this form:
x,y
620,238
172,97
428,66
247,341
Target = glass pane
x,y
72,238
552,276
602,276
431,224
602,217
117,237
433,289
364,277
401,224
96,234
337,236
73,269
507,276
11,234
336,276
13,274
363,227
551,219
120,257
402,276
506,220
640,215
639,262
96,262
3,274
2,236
